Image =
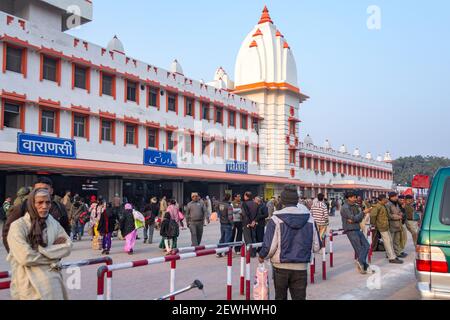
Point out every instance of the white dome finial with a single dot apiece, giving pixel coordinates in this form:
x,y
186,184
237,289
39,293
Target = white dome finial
x,y
387,157
343,149
327,145
176,67
308,140
116,45
369,156
356,153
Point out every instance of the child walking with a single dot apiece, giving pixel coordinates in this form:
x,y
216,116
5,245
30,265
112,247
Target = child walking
x,y
169,232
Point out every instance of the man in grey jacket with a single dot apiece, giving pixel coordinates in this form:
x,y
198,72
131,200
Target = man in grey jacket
x,y
352,216
195,216
395,223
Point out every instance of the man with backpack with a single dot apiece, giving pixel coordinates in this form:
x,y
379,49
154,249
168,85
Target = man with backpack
x,y
289,241
224,210
77,217
57,210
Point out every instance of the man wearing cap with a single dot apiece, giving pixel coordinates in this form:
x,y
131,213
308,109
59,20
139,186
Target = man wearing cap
x,y
352,215
411,221
195,216
379,218
395,223
288,243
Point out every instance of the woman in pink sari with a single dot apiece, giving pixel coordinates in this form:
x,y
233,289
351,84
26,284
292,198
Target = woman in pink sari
x,y
128,228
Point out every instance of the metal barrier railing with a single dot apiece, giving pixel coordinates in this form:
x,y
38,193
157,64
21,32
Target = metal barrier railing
x,y
65,265
140,263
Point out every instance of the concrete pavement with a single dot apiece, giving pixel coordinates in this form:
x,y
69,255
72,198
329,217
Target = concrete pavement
x,y
150,282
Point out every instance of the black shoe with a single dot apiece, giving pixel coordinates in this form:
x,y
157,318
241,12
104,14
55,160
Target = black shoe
x,y
145,240
107,252
367,268
402,255
103,252
396,261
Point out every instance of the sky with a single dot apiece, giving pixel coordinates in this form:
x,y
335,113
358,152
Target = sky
x,y
383,89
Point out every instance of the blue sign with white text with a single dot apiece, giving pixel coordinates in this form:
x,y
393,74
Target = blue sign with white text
x,y
237,167
160,158
36,145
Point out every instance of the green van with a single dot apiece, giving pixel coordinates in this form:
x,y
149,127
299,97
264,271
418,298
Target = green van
x,y
433,244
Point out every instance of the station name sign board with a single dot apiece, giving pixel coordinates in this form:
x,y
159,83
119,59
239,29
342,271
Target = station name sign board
x,y
160,158
237,167
37,145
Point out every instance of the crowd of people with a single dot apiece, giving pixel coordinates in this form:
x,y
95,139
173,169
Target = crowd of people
x,y
40,230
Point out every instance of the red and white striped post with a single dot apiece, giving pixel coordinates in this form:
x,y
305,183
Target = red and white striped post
x,y
331,249
230,274
5,274
242,286
324,264
173,267
247,272
312,267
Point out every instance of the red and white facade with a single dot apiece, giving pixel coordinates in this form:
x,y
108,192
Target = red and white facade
x,y
114,106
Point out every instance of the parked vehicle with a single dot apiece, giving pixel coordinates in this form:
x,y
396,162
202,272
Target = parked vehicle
x,y
433,245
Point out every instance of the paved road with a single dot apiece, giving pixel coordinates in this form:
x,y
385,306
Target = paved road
x,y
149,282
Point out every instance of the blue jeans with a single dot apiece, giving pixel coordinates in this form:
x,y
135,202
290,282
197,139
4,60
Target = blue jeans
x,y
77,229
226,233
360,245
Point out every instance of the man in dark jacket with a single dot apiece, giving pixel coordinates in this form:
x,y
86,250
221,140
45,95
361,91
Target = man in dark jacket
x,y
249,213
224,210
289,240
151,211
57,210
352,216
261,216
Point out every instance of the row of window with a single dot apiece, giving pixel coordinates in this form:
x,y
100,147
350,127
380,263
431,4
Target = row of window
x,y
309,163
49,123
51,70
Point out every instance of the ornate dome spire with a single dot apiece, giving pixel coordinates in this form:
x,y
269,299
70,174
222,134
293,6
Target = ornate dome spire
x,y
116,45
265,17
176,68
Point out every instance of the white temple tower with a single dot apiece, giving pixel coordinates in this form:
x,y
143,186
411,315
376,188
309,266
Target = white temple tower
x,y
266,72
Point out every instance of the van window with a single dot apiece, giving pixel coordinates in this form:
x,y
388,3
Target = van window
x,y
445,206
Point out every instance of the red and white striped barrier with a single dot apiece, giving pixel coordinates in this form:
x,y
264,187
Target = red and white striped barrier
x,y
140,263
206,247
81,263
